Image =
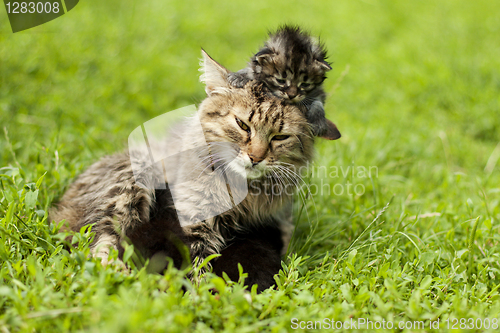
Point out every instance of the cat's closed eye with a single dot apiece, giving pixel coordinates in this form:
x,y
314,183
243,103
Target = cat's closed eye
x,y
281,81
242,125
281,137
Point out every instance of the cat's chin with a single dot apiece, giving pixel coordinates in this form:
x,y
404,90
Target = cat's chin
x,y
253,174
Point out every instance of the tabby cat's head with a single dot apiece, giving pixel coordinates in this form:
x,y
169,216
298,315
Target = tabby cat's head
x,y
267,134
291,64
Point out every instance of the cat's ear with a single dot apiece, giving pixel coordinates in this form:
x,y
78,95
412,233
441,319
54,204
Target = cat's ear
x,y
332,132
214,75
324,65
264,56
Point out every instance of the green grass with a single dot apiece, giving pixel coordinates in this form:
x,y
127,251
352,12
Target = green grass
x,y
415,91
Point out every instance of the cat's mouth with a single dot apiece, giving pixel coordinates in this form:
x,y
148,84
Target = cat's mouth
x,y
294,99
246,169
254,172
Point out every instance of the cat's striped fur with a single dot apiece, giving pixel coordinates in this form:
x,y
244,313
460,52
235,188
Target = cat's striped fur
x,y
274,141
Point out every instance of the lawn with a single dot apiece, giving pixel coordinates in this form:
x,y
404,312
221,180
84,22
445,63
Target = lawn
x,y
401,222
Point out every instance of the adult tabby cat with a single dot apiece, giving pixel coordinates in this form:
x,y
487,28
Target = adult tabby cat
x,y
293,66
270,140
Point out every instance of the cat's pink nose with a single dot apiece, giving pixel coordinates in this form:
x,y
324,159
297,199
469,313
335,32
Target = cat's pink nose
x,y
291,93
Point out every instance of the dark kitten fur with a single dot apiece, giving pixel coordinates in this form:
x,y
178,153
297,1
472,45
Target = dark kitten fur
x,y
272,138
293,67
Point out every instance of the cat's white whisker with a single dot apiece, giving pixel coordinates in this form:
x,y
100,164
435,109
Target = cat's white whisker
x,y
297,178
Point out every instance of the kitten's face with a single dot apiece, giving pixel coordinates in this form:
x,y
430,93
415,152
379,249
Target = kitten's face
x,y
291,64
289,78
267,134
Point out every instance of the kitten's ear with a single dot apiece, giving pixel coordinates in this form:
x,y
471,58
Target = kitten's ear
x,y
264,56
332,133
324,65
214,75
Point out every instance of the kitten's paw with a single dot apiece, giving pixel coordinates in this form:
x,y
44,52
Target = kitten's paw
x,y
237,80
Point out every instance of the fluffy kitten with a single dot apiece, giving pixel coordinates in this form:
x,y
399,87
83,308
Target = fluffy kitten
x,y
270,140
292,66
